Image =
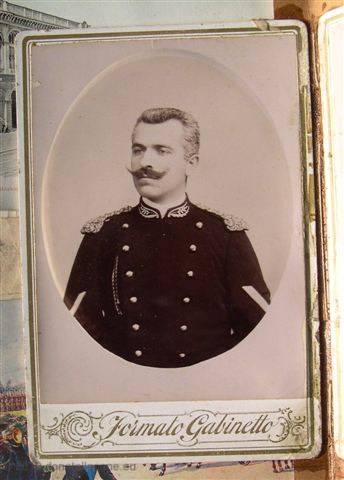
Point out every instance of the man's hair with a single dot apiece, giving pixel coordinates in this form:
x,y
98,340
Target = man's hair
x,y
190,125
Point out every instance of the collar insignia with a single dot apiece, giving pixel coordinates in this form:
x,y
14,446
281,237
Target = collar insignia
x,y
176,212
148,212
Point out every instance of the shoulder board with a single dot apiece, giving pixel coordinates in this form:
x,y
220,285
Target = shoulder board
x,y
234,223
95,224
231,222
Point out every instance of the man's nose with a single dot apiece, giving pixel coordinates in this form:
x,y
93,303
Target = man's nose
x,y
150,158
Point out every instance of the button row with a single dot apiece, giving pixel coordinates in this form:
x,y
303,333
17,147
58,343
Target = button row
x,y
138,353
192,247
130,273
136,327
198,225
134,299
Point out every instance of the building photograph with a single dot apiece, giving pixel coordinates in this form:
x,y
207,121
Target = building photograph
x,y
14,19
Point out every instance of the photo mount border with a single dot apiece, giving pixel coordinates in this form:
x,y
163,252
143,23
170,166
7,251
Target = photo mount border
x,y
25,41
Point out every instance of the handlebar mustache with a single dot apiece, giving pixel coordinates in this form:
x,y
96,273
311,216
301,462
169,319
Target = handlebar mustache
x,y
146,172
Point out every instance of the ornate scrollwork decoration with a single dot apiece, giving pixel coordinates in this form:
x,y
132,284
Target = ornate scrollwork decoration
x,y
73,429
289,424
83,431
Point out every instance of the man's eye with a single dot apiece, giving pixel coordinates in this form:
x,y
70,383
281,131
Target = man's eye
x,y
163,151
136,151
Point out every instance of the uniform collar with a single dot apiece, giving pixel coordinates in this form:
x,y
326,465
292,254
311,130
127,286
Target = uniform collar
x,y
177,211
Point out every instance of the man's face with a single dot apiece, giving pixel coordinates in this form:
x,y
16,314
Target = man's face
x,y
159,157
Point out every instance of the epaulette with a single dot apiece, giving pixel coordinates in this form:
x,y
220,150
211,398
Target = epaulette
x,y
232,223
95,224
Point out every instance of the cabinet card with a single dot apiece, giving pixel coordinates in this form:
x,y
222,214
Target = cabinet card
x,y
168,242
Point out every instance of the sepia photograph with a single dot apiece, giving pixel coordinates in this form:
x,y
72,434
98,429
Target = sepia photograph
x,y
170,244
166,234
140,271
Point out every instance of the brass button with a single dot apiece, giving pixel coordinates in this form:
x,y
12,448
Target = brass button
x,y
182,355
183,328
125,225
138,353
186,300
135,326
129,273
133,299
190,273
193,247
125,248
199,225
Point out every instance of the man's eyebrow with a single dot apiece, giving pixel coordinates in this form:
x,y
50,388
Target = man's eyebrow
x,y
163,146
137,145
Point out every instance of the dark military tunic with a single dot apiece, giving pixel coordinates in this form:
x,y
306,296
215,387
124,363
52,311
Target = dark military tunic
x,y
166,292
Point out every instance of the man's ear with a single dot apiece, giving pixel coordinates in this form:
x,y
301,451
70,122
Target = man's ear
x,y
191,164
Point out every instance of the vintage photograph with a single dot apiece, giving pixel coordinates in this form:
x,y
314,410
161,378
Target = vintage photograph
x,y
141,270
169,258
171,248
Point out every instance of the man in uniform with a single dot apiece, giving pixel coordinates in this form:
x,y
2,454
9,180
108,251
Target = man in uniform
x,y
164,284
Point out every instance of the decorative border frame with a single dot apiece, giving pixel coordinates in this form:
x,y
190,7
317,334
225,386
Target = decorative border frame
x,y
284,412
332,158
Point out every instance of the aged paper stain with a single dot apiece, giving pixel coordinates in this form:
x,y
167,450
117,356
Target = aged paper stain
x,y
10,285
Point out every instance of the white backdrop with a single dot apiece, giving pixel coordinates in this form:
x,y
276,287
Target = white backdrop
x,y
244,93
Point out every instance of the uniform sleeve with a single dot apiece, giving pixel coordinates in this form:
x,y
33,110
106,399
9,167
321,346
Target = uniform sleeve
x,y
83,279
81,274
243,270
